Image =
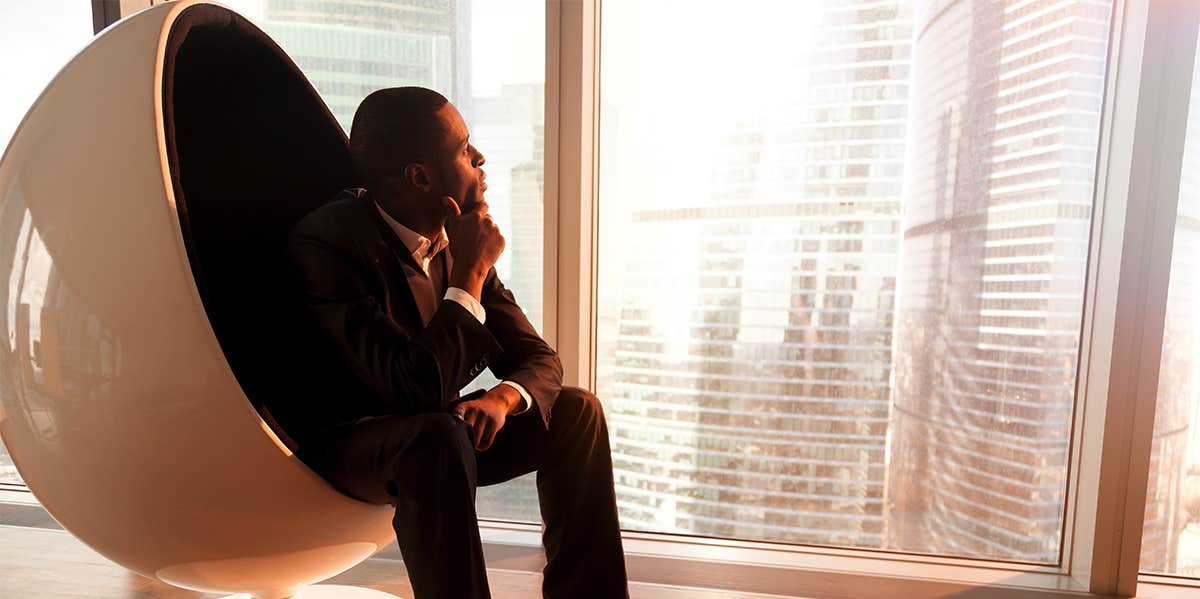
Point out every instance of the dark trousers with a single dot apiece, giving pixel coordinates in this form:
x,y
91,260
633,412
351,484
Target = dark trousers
x,y
427,467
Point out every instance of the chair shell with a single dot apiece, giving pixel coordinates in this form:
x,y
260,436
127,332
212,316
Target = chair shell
x,y
120,409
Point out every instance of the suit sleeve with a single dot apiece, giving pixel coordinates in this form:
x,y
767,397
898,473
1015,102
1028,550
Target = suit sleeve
x,y
409,372
525,359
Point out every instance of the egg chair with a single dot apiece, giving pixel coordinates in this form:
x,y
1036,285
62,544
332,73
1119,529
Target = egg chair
x,y
149,324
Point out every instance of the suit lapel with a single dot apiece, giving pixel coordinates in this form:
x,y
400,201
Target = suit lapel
x,y
439,272
419,286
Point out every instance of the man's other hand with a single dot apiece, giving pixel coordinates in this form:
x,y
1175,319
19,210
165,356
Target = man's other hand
x,y
475,243
486,414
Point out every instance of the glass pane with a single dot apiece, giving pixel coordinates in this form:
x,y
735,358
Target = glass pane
x,y
45,35
488,58
842,257
1171,536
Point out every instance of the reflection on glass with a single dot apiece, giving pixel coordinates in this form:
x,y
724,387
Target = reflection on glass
x,y
45,35
842,267
1171,533
59,357
998,199
488,58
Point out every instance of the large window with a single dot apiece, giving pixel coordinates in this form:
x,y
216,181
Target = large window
x,y
36,40
488,58
843,294
842,258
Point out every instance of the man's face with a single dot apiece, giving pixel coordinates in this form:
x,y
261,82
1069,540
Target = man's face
x,y
457,169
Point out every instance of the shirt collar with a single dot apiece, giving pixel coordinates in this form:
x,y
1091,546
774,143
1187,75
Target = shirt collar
x,y
420,247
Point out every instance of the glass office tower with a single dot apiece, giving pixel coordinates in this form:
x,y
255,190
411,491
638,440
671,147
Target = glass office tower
x,y
997,208
745,338
350,48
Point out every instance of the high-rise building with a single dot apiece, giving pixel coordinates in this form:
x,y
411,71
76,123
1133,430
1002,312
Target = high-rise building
x,y
350,48
747,376
512,123
997,205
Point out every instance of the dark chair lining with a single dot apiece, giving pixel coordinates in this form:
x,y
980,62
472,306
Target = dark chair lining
x,y
252,149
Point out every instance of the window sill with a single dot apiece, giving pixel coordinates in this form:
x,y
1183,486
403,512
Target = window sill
x,y
1151,586
752,567
797,571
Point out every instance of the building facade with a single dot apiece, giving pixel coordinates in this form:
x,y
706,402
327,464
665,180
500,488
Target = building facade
x,y
746,371
997,211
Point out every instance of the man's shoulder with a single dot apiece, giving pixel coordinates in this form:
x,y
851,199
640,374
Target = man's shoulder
x,y
344,215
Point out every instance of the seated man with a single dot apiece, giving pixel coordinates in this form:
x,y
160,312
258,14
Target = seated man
x,y
399,276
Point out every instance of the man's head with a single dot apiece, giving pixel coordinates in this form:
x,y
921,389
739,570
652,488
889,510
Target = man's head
x,y
412,148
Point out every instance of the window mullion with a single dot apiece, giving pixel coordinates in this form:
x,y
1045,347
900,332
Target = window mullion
x,y
1137,190
572,57
129,7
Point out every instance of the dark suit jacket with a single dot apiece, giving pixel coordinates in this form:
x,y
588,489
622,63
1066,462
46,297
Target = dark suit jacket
x,y
357,281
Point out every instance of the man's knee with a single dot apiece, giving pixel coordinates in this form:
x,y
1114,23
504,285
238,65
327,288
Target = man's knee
x,y
582,404
439,446
438,458
443,433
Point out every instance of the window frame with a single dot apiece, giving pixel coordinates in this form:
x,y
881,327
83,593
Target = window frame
x,y
1141,154
1147,87
1143,121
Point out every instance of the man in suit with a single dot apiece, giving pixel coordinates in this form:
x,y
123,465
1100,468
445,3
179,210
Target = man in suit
x,y
400,279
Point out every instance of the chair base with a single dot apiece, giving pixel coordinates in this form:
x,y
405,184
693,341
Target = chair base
x,y
329,591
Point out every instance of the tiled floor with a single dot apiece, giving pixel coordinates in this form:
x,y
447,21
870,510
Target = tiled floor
x,y
37,563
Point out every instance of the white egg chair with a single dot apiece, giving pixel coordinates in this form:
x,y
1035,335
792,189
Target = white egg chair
x,y
144,203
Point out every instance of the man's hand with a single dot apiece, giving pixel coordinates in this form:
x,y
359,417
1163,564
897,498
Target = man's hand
x,y
475,243
486,414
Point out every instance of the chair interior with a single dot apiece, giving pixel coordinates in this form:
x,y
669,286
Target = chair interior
x,y
252,149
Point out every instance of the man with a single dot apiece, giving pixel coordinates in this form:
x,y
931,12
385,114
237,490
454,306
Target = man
x,y
399,276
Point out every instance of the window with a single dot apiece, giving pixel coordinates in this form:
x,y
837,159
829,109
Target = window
x,y
798,345
841,261
1171,531
45,35
488,58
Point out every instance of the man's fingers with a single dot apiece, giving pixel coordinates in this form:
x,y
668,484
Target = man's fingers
x,y
493,427
468,417
476,419
481,424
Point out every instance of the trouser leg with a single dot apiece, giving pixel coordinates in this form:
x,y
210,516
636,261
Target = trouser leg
x,y
425,466
582,535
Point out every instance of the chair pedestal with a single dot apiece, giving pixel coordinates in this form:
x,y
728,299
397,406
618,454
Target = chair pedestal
x,y
324,591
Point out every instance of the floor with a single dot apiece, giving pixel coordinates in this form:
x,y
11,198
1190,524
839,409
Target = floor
x,y
39,563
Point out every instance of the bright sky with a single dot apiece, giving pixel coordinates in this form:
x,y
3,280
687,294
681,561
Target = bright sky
x,y
508,44
677,77
36,40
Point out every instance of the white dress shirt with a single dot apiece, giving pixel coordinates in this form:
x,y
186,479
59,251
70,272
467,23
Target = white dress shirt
x,y
423,251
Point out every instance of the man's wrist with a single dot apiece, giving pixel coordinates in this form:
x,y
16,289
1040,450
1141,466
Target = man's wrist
x,y
470,281
511,397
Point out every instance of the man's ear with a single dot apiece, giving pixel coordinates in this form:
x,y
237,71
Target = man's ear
x,y
416,175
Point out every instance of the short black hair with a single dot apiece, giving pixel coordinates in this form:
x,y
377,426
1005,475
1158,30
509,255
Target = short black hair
x,y
394,127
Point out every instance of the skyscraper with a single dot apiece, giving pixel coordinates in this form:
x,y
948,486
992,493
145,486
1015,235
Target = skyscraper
x,y
350,48
997,208
747,370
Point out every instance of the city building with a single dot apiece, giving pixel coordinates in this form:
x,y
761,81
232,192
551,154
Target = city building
x,y
998,194
747,369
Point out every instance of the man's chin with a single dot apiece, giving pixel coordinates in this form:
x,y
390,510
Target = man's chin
x,y
473,202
